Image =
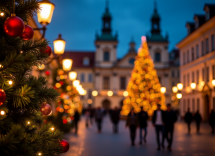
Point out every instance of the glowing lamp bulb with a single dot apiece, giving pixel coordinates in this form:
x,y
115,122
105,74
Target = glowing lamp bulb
x,y
72,75
174,89
193,85
213,83
163,90
179,95
94,93
125,93
180,86
110,93
67,64
76,83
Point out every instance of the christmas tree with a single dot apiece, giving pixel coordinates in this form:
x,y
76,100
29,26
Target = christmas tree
x,y
144,87
23,97
67,104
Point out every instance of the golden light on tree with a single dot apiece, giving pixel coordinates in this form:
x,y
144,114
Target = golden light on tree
x,y
125,93
144,89
163,90
41,67
174,89
2,112
10,82
59,45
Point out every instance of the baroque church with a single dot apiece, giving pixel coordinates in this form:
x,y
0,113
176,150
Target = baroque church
x,y
102,71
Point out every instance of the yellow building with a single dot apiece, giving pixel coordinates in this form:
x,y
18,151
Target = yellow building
x,y
197,51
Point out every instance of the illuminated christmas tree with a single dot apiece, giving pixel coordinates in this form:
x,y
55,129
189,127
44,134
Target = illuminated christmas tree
x,y
144,87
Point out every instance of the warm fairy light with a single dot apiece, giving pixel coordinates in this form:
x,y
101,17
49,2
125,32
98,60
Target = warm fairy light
x,y
52,129
163,90
41,67
59,45
67,64
68,88
89,101
213,82
10,82
110,93
180,86
58,85
174,89
1,66
2,112
76,83
28,122
2,14
46,11
193,85
39,153
202,83
179,95
72,75
94,93
125,93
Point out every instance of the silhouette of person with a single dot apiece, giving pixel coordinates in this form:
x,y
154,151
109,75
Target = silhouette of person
x,y
115,117
132,122
188,119
212,120
198,119
143,117
98,118
158,120
76,120
170,119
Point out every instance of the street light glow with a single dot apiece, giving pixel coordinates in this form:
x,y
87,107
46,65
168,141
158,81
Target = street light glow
x,y
180,86
163,90
174,89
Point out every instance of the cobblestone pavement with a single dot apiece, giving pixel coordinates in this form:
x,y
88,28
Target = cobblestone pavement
x,y
89,143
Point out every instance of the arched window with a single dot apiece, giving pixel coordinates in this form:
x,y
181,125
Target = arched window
x,y
86,61
131,61
106,56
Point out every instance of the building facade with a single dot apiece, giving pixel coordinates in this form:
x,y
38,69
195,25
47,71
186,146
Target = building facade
x,y
197,61
110,75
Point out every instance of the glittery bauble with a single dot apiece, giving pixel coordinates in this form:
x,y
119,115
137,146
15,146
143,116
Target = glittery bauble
x,y
47,51
65,145
2,97
14,26
45,109
27,34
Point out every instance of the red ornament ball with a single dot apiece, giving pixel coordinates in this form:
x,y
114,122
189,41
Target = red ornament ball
x,y
45,109
14,26
48,50
65,145
27,34
61,82
47,73
64,121
2,97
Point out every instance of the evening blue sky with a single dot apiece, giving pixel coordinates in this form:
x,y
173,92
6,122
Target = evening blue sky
x,y
78,20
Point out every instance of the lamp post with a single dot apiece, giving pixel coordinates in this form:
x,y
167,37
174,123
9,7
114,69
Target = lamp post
x,y
45,15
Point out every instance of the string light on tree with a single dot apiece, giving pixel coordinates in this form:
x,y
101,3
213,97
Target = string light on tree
x,y
2,112
2,14
52,128
28,122
39,153
10,82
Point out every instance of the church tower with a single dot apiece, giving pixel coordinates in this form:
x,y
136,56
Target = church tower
x,y
106,43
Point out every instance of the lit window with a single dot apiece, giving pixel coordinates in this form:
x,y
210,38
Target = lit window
x,y
106,56
131,61
86,61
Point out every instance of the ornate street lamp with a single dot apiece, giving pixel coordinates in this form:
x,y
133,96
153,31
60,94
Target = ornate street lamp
x,y
45,15
67,64
72,75
59,45
163,90
193,86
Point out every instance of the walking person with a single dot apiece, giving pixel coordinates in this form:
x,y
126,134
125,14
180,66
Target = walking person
x,y
158,120
76,120
132,122
198,119
115,117
98,118
143,117
188,119
170,119
212,120
92,111
87,116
